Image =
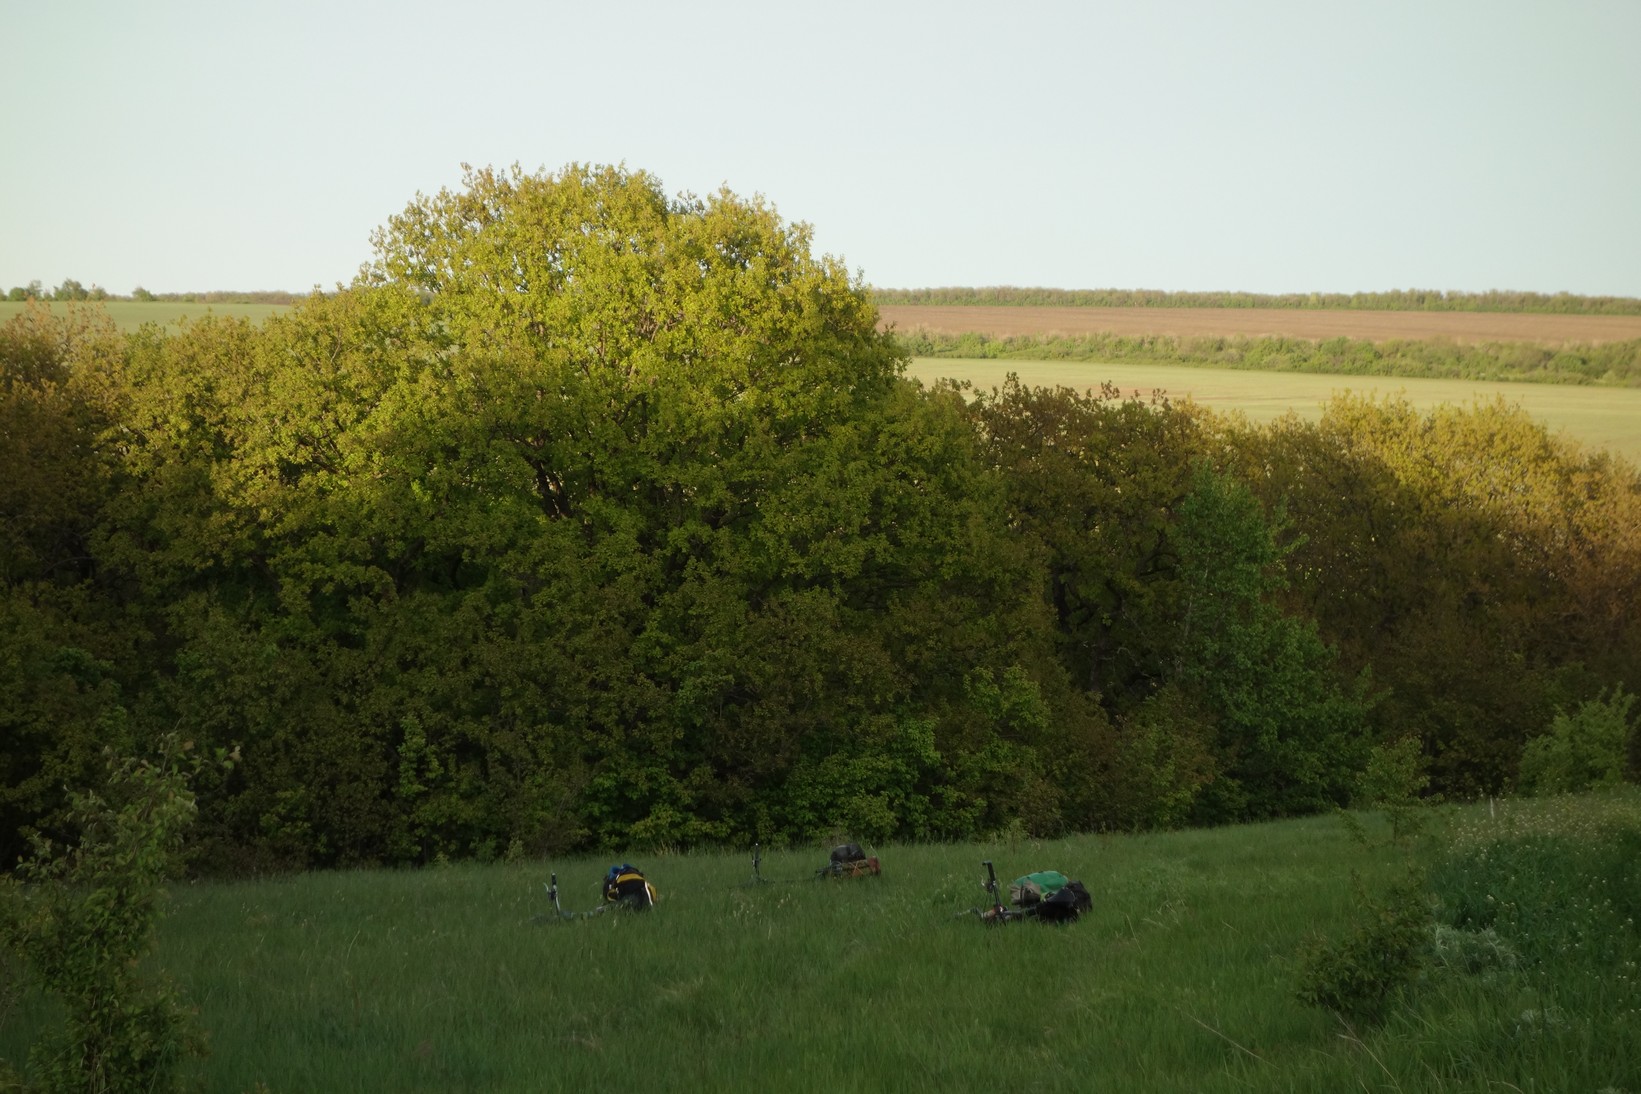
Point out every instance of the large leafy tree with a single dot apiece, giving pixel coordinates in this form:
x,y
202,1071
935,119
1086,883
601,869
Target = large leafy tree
x,y
1091,481
1095,478
1476,562
1164,578
1287,736
61,386
586,515
66,662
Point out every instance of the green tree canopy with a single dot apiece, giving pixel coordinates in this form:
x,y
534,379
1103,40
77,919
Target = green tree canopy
x,y
585,516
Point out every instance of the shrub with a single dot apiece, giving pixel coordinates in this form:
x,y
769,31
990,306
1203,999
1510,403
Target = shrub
x,y
81,920
1394,782
1583,750
1357,976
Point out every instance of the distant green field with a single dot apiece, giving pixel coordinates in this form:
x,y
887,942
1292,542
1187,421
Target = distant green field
x,y
130,314
1601,417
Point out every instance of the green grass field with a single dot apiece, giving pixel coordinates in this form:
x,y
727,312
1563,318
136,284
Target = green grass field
x,y
1600,417
1181,979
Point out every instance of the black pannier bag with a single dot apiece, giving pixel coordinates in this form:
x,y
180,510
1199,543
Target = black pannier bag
x,y
1067,904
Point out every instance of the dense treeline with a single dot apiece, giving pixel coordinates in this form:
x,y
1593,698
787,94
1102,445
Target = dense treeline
x,y
71,290
1617,363
216,296
589,517
1494,300
1393,300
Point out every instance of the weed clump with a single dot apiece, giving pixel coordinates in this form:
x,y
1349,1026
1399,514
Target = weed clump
x,y
1359,975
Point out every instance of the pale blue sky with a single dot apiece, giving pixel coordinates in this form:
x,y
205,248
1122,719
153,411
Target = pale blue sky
x,y
1266,145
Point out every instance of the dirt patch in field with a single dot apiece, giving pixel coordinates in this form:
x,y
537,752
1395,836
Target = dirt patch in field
x,y
1375,326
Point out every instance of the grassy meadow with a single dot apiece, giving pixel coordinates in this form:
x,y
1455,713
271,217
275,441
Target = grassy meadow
x,y
1181,978
1598,417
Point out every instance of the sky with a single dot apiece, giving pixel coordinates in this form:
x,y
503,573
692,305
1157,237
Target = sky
x,y
1263,146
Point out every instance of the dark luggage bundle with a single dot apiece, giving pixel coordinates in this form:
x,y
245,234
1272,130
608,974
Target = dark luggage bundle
x,y
848,860
1065,905
1047,895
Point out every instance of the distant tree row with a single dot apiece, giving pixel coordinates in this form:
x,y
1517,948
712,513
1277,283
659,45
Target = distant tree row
x,y
68,290
73,290
1614,363
1392,300
593,518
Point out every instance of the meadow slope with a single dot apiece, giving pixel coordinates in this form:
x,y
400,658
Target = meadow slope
x,y
1183,976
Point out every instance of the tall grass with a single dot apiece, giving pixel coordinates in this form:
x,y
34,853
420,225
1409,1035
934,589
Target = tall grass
x,y
442,980
1537,911
1182,977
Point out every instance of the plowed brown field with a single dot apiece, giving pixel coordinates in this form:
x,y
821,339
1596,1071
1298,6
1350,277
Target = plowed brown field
x,y
1375,326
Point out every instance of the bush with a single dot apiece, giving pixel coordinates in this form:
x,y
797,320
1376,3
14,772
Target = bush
x,y
1357,976
81,920
1394,782
1583,750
